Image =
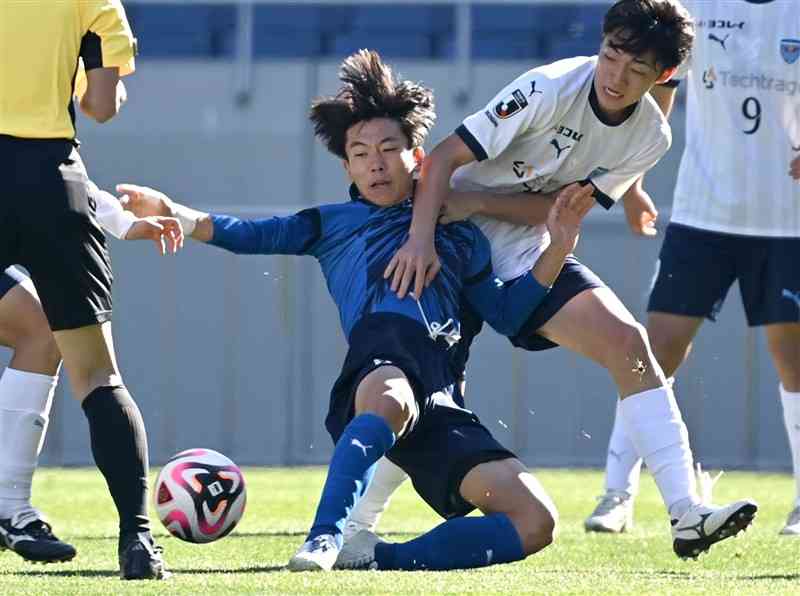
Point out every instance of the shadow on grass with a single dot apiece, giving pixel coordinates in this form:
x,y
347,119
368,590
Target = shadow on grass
x,y
175,570
263,534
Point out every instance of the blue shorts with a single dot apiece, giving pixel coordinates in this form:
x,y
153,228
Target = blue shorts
x,y
446,441
575,277
696,268
10,278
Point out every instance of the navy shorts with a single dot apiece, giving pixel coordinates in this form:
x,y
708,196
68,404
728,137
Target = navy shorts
x,y
575,277
696,268
10,278
48,225
446,441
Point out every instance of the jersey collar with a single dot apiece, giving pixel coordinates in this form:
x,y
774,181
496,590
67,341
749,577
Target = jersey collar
x,y
598,112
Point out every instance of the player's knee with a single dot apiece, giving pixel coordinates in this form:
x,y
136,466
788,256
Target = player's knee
x,y
387,393
37,348
536,526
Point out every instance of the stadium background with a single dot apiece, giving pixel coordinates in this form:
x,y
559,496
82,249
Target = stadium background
x,y
238,353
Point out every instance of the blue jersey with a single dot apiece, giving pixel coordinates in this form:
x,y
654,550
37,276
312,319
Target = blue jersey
x,y
355,241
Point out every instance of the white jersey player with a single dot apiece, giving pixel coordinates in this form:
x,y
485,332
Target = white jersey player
x,y
736,213
584,120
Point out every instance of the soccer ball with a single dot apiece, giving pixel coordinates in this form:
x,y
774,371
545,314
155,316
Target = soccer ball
x,y
200,495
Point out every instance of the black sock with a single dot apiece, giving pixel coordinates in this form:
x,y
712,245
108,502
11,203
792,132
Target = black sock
x,y
119,447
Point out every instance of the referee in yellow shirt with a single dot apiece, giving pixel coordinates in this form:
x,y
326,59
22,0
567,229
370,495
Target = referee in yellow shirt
x,y
48,225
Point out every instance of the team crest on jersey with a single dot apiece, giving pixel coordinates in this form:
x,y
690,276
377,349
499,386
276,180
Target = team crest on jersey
x,y
790,50
511,104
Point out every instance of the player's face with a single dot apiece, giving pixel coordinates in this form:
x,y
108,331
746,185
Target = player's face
x,y
379,161
622,79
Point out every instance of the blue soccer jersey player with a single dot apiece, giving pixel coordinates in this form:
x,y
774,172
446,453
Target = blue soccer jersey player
x,y
397,393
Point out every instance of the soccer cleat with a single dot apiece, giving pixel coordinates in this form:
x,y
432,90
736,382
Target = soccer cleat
x,y
613,514
703,525
318,554
792,527
359,551
140,558
353,527
28,534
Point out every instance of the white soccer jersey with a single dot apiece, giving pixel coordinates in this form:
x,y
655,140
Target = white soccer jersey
x,y
543,132
743,119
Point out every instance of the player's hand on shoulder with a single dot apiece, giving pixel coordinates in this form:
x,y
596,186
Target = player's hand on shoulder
x,y
565,216
144,201
458,207
640,211
166,232
794,168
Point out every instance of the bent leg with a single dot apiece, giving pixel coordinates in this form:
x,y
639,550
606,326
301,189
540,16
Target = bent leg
x,y
519,520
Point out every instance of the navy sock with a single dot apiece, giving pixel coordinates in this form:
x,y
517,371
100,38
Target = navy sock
x,y
459,543
363,442
119,447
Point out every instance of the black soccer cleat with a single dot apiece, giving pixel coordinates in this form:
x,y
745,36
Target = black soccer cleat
x,y
28,534
140,558
703,525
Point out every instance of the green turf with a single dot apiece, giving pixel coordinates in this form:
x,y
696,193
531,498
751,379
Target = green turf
x,y
280,507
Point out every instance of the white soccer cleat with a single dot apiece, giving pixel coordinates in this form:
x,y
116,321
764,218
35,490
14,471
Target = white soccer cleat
x,y
318,554
792,527
703,525
353,527
613,514
359,551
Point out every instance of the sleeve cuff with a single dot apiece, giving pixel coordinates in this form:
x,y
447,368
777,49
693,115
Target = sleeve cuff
x,y
470,141
605,201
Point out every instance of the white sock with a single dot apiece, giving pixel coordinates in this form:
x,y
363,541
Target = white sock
x,y
654,424
387,479
791,418
623,464
25,400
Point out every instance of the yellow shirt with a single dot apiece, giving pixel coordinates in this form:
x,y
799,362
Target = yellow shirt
x,y
40,43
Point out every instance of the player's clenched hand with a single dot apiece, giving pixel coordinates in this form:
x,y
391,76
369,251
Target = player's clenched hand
x,y
794,168
144,201
416,261
640,211
457,207
565,216
166,232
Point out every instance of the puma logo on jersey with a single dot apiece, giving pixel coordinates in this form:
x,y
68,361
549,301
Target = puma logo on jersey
x,y
534,89
721,41
360,445
559,149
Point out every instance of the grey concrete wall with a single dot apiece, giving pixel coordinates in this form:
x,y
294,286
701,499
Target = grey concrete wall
x,y
238,353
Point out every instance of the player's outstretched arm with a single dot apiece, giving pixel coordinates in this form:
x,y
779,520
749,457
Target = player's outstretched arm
x,y
417,260
144,201
166,232
564,224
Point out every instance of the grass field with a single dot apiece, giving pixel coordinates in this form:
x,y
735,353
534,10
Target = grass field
x,y
280,507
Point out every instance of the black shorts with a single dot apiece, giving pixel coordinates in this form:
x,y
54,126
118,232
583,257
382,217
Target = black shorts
x,y
696,268
446,441
48,225
575,277
10,278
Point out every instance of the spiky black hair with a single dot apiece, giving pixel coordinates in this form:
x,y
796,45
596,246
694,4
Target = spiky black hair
x,y
370,90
